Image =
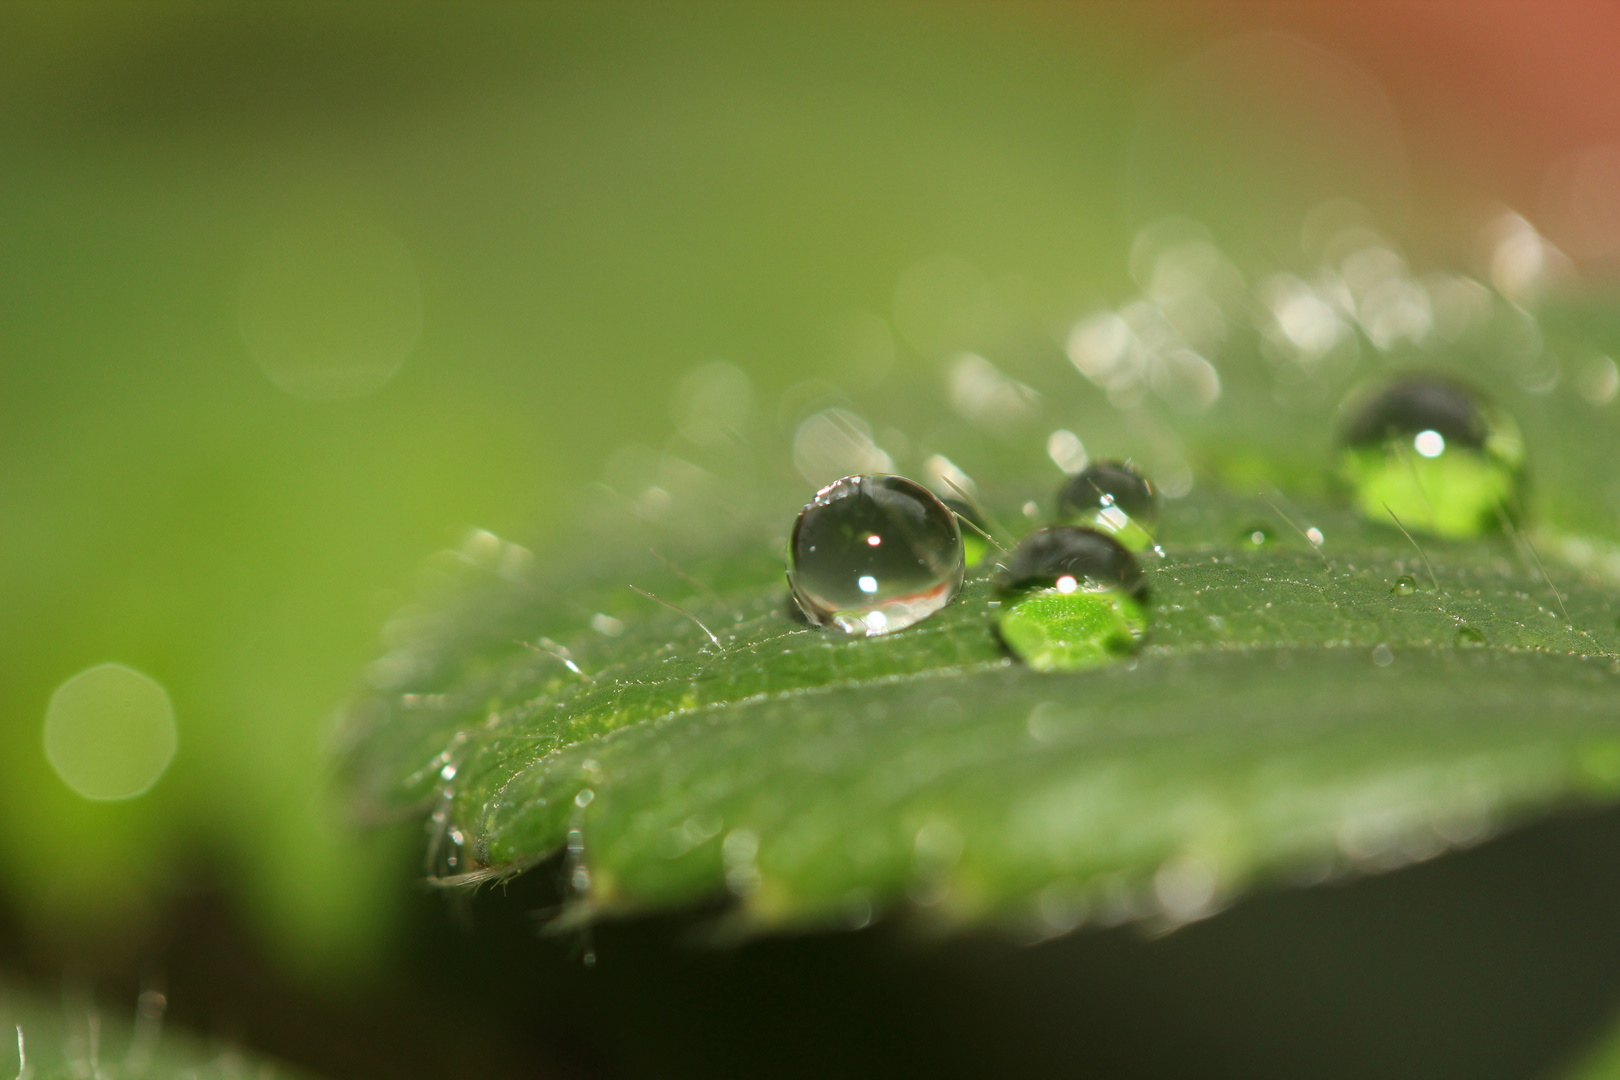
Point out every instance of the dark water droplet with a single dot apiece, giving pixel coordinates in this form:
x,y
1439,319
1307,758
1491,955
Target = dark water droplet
x,y
1256,536
1469,635
1114,498
974,545
1435,454
1405,585
1071,597
874,554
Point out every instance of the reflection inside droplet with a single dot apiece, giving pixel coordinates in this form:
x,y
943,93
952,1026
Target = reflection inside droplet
x,y
1071,597
841,578
1433,455
1115,498
975,533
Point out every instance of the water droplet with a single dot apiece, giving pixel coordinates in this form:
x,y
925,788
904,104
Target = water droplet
x,y
1256,536
1383,655
1112,497
1071,597
973,529
1469,635
1434,454
1405,585
874,554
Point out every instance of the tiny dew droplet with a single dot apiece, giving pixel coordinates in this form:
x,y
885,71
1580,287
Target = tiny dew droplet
x,y
1072,597
1469,635
1405,585
1256,536
873,554
1433,453
1114,498
973,529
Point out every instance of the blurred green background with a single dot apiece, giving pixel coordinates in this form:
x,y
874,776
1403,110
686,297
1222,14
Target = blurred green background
x,y
591,202
293,295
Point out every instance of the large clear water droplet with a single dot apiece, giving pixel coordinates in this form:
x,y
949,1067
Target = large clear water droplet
x,y
1433,454
874,554
1072,597
1114,498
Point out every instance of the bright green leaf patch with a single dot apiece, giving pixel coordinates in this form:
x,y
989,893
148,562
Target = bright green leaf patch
x,y
1049,630
1291,715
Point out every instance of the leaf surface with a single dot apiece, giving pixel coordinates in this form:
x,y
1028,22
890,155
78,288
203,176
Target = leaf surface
x,y
1293,716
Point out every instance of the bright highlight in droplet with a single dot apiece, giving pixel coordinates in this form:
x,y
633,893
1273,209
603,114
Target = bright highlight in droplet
x,y
1066,584
110,732
868,583
874,540
1429,443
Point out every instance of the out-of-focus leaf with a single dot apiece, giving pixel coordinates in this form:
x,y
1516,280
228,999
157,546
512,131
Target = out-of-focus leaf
x,y
73,1040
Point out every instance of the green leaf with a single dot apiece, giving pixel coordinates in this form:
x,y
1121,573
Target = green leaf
x,y
75,1040
1293,716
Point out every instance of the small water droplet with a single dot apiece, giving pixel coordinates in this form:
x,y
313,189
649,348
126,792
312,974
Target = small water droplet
x,y
1072,597
1382,655
1434,454
1112,497
1469,635
1405,585
874,554
1256,536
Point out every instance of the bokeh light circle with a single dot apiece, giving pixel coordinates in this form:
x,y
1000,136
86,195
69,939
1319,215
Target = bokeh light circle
x,y
330,306
110,732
